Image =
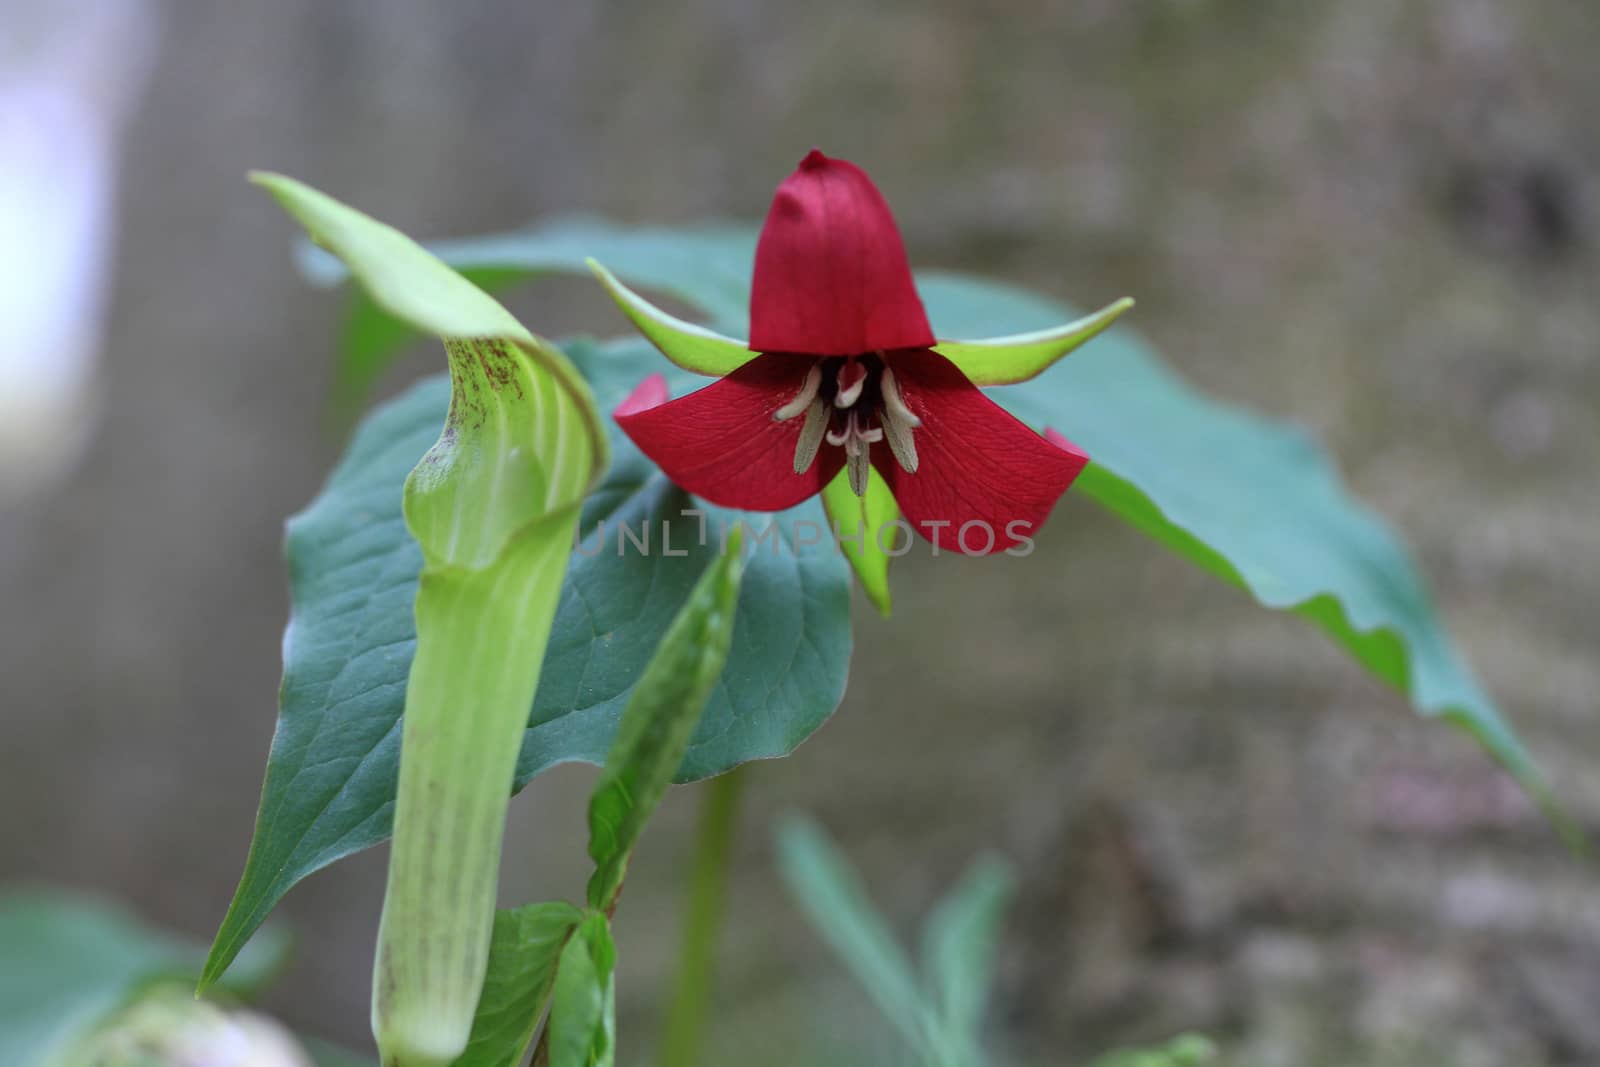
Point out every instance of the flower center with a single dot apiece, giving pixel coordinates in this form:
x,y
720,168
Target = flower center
x,y
852,402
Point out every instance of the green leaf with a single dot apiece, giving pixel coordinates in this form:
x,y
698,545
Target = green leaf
x,y
659,721
867,529
1253,502
958,950
831,895
1006,360
583,1006
70,962
527,944
494,506
330,782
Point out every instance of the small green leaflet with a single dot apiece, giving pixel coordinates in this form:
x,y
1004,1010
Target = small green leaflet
x,y
527,944
659,721
582,1027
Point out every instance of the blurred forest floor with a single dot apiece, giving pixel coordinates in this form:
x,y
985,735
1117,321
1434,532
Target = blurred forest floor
x,y
1377,219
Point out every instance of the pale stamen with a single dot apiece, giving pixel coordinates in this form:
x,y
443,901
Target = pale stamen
x,y
802,401
894,403
852,430
817,418
900,440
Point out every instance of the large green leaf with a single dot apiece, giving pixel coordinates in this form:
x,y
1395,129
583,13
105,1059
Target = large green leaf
x,y
1247,499
1254,502
522,969
330,783
659,721
67,962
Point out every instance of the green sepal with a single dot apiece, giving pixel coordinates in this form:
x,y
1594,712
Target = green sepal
x,y
659,721
692,347
1007,360
866,528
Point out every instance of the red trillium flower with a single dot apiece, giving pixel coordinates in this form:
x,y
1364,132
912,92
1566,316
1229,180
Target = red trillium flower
x,y
843,377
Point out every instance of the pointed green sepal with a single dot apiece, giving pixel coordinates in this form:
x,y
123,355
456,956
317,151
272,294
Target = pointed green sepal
x,y
692,347
1006,360
867,529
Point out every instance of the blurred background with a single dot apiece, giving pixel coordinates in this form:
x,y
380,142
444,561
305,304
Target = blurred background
x,y
1377,219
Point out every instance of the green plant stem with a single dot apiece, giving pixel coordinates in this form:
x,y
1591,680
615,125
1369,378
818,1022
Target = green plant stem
x,y
684,1037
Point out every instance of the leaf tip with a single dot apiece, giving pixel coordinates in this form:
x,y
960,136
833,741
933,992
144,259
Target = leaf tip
x,y
735,543
279,185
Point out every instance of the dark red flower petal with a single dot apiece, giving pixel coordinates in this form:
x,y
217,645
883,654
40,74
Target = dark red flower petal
x,y
985,482
722,444
831,274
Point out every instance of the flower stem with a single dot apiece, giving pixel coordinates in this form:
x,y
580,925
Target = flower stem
x,y
684,1037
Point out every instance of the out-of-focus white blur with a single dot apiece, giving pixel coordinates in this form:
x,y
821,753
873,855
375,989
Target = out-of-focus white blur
x,y
70,72
168,1027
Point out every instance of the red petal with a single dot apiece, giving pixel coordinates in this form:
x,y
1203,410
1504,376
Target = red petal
x,y
985,481
1058,439
831,274
722,444
650,393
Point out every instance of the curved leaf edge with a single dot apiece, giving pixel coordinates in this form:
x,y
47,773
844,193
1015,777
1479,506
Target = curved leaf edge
x,y
1381,649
